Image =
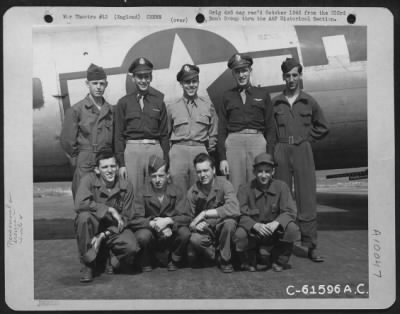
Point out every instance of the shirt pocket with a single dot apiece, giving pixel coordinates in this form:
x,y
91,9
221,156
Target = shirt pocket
x,y
133,119
202,123
154,118
257,110
305,116
234,113
181,126
280,117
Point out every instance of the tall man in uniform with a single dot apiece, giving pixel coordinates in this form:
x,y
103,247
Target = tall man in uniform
x,y
141,126
104,207
299,122
161,223
267,227
193,127
215,208
88,126
245,123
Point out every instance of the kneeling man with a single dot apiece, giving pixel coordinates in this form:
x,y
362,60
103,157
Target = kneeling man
x,y
103,204
215,208
160,221
267,228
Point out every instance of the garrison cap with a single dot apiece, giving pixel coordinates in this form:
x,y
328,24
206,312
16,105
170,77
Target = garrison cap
x,y
239,60
264,158
289,64
155,163
141,65
187,72
94,73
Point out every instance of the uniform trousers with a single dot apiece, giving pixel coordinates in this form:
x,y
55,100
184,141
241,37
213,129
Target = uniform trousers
x,y
275,248
84,164
173,247
241,149
218,237
137,160
297,162
181,164
123,246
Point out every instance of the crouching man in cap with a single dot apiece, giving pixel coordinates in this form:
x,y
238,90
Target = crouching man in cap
x,y
104,207
161,223
246,127
88,126
215,208
193,127
141,125
267,228
299,121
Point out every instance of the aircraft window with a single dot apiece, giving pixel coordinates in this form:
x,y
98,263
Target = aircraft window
x,y
335,46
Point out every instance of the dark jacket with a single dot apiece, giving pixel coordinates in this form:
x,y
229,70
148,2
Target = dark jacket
x,y
259,206
148,206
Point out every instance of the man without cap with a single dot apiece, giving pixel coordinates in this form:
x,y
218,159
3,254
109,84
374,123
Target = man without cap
x,y
104,207
161,223
215,208
267,227
245,123
299,122
88,126
141,125
193,126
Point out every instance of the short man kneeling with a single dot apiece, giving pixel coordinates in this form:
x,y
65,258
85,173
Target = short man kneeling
x,y
267,229
103,204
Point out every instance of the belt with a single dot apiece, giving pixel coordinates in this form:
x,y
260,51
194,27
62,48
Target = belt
x,y
248,131
144,141
89,148
292,140
189,143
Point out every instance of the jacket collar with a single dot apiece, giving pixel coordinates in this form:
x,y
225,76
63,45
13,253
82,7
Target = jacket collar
x,y
282,98
120,185
259,192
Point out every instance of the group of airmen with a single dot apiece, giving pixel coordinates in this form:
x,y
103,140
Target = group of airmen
x,y
145,184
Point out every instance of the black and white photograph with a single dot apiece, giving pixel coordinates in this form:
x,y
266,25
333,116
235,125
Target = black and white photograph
x,y
199,158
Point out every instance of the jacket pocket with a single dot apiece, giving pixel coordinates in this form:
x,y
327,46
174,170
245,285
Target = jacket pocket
x,y
306,117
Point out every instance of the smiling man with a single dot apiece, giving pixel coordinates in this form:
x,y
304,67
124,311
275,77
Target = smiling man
x,y
267,229
214,207
299,122
104,207
88,126
141,128
245,123
193,126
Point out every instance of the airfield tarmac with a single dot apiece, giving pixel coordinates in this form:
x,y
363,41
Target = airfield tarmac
x,y
343,241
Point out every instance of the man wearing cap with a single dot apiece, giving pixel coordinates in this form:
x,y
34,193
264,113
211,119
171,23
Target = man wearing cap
x,y
215,208
245,123
104,207
88,126
267,227
299,121
193,123
161,223
141,125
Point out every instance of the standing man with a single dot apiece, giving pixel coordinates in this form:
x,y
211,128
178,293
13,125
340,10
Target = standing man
x,y
193,127
215,208
88,126
267,227
245,123
299,122
161,223
104,206
141,126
